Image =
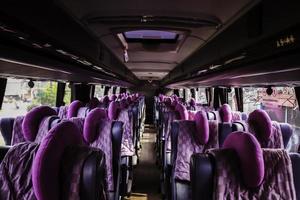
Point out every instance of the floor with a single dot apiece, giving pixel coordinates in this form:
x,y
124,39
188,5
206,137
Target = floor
x,y
146,174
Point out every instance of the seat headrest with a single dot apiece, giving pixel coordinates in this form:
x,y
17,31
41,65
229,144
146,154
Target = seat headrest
x,y
168,101
250,156
129,100
73,108
225,113
113,110
192,102
174,103
113,97
105,99
46,165
161,97
260,124
91,124
192,114
183,113
93,103
123,104
202,127
33,119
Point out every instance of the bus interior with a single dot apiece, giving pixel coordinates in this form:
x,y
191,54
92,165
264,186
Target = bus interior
x,y
149,100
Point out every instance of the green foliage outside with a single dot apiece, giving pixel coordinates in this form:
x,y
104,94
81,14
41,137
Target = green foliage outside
x,y
67,97
45,95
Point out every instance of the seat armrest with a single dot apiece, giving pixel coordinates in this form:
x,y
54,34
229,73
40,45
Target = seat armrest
x,y
93,176
202,172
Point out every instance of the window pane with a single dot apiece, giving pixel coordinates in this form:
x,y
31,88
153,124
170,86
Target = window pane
x,y
201,96
118,90
99,91
19,98
67,97
232,99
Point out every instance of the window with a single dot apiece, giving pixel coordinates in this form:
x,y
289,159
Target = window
x,y
19,98
99,91
118,90
67,97
232,99
201,96
181,91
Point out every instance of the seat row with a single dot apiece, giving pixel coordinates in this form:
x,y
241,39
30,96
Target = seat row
x,y
184,139
99,129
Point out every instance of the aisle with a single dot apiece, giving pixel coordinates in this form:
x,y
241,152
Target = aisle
x,y
146,174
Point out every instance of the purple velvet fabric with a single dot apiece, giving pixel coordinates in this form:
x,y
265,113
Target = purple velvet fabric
x,y
93,103
63,112
113,97
113,110
32,121
186,147
123,104
129,100
228,183
168,118
236,116
168,101
46,165
105,99
184,115
103,141
225,113
73,108
44,127
90,130
17,134
15,172
192,102
127,147
260,124
250,156
82,112
202,128
79,123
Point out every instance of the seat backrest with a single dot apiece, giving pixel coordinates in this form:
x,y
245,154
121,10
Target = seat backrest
x,y
287,132
226,128
6,129
188,137
105,134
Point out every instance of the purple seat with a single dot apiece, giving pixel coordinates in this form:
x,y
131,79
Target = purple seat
x,y
61,167
63,112
105,134
242,169
189,137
